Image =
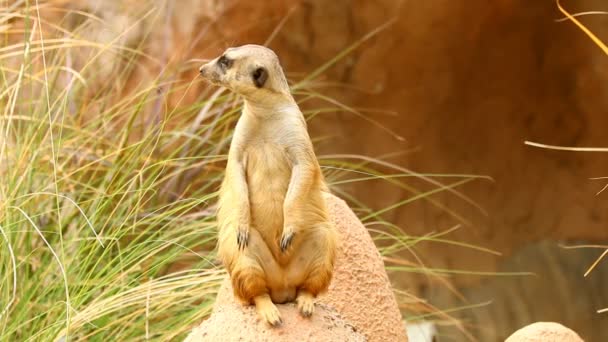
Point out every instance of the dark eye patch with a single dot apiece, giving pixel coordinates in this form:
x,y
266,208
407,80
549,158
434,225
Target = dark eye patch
x,y
259,76
224,62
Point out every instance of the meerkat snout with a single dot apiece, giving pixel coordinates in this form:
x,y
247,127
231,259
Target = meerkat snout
x,y
207,72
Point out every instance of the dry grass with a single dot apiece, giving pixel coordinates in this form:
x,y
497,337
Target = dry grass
x,y
604,48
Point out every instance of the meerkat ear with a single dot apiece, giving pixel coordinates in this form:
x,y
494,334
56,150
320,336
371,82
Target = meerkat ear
x,y
259,76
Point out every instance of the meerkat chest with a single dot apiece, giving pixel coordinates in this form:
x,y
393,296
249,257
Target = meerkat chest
x,y
267,161
268,169
268,173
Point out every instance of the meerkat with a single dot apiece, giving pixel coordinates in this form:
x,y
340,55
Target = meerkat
x,y
275,237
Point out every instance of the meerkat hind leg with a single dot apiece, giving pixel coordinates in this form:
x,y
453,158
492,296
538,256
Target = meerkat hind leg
x,y
254,275
306,303
312,268
267,310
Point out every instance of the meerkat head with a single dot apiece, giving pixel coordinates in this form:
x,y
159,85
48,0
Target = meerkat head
x,y
252,71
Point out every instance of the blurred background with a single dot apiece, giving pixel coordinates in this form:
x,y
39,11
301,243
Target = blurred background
x,y
422,87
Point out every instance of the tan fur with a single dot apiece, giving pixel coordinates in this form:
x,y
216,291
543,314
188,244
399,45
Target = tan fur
x,y
271,191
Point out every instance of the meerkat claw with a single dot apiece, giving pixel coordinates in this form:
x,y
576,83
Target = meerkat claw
x,y
268,311
306,304
276,322
242,239
307,309
286,240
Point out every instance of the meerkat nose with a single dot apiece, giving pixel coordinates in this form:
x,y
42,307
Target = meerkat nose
x,y
201,70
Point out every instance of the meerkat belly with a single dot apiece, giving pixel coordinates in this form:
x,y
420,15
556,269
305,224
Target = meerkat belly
x,y
268,176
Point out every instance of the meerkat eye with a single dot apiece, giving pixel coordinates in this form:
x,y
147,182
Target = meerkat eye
x,y
224,62
259,76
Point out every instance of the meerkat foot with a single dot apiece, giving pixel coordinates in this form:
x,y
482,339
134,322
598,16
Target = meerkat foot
x,y
286,239
242,237
267,310
306,303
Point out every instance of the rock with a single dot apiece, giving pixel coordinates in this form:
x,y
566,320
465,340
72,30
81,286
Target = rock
x,y
360,289
233,322
360,292
544,332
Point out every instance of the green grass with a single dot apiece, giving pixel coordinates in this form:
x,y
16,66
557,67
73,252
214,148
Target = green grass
x,y
107,227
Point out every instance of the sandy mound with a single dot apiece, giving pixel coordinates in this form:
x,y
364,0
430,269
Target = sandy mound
x,y
233,322
360,292
545,332
360,289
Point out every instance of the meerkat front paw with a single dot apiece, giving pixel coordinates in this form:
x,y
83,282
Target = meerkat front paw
x,y
286,238
242,236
